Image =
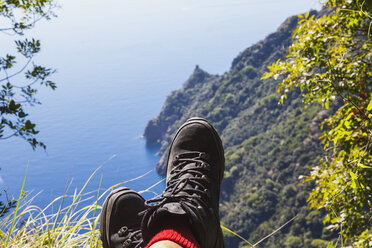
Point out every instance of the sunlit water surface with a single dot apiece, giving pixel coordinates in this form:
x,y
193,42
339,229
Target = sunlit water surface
x,y
116,64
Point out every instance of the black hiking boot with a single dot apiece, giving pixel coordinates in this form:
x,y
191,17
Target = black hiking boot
x,y
120,225
195,170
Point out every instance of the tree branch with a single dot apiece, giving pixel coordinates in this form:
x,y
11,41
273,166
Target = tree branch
x,y
18,72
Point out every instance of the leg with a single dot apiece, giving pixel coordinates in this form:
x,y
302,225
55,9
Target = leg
x,y
186,215
194,173
165,244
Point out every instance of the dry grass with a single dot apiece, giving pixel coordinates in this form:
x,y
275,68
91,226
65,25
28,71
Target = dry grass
x,y
73,225
56,225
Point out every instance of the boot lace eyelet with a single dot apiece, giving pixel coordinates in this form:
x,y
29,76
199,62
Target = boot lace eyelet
x,y
127,243
203,155
205,178
122,231
205,166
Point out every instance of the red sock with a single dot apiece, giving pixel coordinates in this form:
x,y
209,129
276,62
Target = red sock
x,y
177,231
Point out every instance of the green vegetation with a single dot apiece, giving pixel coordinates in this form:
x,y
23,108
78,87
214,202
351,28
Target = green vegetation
x,y
272,151
330,60
268,147
17,92
67,221
57,225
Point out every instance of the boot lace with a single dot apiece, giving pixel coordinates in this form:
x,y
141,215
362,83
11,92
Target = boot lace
x,y
133,237
188,182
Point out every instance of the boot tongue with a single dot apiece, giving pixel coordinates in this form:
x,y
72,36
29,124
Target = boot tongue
x,y
172,208
154,221
164,213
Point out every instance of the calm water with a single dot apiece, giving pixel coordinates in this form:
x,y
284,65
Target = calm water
x,y
116,64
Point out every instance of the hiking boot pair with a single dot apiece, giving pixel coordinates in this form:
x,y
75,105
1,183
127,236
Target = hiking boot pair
x,y
195,169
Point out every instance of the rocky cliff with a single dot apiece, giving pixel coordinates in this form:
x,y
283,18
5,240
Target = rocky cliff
x,y
267,146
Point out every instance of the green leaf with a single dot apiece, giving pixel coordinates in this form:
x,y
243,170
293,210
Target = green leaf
x,y
28,125
353,180
12,105
353,175
364,166
330,245
369,107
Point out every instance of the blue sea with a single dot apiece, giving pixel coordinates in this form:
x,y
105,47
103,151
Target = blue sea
x,y
116,63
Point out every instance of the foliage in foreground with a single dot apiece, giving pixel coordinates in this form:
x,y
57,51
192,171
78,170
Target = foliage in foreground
x,y
68,227
330,60
57,225
68,221
16,91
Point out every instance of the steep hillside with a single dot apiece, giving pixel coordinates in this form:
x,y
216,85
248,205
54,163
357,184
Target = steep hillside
x,y
267,146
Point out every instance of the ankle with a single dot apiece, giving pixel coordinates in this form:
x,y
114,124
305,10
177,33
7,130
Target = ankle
x,y
174,233
165,244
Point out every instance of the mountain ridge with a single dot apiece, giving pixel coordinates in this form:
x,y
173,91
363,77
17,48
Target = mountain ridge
x,y
267,146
